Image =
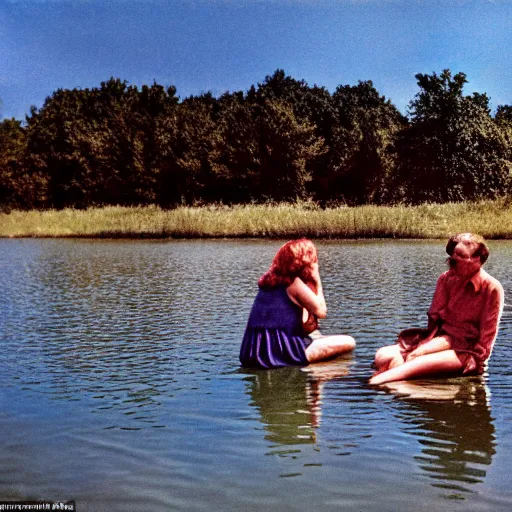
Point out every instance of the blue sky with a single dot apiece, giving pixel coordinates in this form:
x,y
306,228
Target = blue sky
x,y
221,45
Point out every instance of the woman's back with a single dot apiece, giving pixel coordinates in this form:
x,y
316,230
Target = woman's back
x,y
273,309
274,335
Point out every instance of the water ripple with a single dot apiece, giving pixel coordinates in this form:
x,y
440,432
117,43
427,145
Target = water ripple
x,y
124,357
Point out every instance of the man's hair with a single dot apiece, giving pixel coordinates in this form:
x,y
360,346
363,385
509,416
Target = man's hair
x,y
482,251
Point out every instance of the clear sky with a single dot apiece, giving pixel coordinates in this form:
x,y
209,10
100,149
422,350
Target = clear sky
x,y
221,45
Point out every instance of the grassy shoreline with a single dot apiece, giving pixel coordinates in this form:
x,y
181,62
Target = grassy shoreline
x,y
491,219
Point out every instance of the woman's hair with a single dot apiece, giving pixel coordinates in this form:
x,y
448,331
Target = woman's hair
x,y
482,251
294,259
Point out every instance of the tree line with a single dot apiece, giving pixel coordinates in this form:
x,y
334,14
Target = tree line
x,y
282,140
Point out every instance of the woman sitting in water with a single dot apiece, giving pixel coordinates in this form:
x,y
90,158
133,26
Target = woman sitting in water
x,y
290,291
462,321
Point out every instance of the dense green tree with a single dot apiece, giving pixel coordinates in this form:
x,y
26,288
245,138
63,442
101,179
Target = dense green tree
x,y
288,149
358,127
238,158
312,104
361,160
280,87
13,182
453,150
98,146
69,138
503,119
504,114
236,150
282,140
188,144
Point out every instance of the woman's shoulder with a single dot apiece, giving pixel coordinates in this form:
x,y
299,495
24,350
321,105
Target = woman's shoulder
x,y
272,292
280,288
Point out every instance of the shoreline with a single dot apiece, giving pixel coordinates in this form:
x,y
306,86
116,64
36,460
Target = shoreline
x,y
491,219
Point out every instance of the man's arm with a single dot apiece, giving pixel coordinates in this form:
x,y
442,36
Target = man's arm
x,y
439,302
436,344
490,320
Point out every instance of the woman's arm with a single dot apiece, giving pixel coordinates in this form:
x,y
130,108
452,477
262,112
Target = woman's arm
x,y
303,296
315,274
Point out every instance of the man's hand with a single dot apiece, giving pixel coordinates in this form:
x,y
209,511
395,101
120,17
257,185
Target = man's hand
x,y
430,347
417,352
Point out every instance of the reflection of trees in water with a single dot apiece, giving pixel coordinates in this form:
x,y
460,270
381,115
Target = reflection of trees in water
x,y
453,422
289,401
107,323
284,400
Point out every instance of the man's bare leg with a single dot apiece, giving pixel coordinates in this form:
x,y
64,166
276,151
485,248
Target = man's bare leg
x,y
438,363
388,357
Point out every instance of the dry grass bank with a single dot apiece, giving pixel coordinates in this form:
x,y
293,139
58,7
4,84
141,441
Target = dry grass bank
x,y
492,219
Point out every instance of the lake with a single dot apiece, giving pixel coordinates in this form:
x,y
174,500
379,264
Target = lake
x,y
121,387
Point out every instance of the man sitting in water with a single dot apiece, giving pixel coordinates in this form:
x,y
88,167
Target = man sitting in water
x,y
462,321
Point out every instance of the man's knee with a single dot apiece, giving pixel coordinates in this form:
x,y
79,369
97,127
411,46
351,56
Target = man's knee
x,y
387,352
388,357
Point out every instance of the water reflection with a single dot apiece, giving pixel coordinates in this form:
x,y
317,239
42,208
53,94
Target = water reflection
x,y
120,377
453,423
120,326
289,402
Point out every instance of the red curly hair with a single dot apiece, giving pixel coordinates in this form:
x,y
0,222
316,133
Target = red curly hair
x,y
294,259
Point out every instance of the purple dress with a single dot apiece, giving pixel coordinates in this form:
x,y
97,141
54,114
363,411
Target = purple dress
x,y
274,335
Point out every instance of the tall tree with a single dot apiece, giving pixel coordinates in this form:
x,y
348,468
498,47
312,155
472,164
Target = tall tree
x,y
504,114
503,120
14,185
361,161
238,163
288,148
453,150
188,145
98,146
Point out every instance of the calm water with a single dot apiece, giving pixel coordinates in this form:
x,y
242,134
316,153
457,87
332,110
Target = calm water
x,y
121,387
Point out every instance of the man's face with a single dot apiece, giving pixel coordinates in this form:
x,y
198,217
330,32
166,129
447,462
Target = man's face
x,y
462,260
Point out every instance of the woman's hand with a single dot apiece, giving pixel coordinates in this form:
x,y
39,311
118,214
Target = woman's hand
x,y
309,322
315,272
